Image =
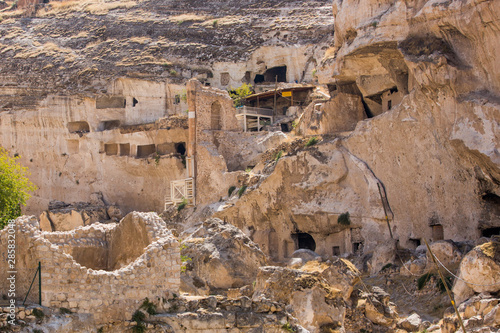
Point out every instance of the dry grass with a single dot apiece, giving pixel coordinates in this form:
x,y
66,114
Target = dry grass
x,y
47,49
81,34
187,18
102,8
141,60
8,16
14,32
95,7
140,40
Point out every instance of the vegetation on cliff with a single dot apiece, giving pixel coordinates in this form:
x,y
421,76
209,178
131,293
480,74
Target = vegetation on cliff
x,y
14,187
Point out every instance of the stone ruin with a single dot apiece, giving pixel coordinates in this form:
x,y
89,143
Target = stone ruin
x,y
105,270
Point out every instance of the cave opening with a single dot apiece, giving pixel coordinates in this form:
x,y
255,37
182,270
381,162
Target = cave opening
x,y
275,73
304,241
258,79
490,232
180,148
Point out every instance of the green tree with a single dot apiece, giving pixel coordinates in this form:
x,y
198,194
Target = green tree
x,y
14,187
239,94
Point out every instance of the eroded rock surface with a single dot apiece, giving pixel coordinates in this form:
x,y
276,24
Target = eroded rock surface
x,y
218,255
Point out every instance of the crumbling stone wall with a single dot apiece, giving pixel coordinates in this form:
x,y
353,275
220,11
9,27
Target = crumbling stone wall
x,y
107,295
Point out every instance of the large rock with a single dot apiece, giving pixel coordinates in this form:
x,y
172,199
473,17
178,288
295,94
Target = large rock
x,y
377,307
63,216
312,300
480,267
384,253
447,252
339,273
219,256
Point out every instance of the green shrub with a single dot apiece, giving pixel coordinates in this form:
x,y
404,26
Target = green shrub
x,y
14,187
278,155
139,328
312,141
344,219
215,23
423,280
182,205
173,72
440,285
231,190
65,311
138,316
241,191
38,314
150,307
288,328
238,95
387,266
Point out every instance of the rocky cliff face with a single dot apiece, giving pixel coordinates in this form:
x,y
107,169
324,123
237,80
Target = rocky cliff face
x,y
436,151
78,46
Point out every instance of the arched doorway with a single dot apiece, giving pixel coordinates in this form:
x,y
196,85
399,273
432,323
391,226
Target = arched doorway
x,y
215,116
303,240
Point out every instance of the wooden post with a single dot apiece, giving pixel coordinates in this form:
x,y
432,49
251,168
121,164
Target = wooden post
x,y
275,93
445,286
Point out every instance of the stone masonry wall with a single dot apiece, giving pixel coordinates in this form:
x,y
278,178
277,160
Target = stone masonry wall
x,y
107,295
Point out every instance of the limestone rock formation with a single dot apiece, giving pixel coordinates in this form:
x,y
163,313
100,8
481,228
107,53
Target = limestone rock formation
x,y
424,70
219,256
300,203
311,299
480,267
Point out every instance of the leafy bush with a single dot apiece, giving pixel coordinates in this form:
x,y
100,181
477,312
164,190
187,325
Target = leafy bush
x,y
440,285
149,306
423,280
65,311
38,314
312,141
344,219
231,190
14,187
182,205
238,95
278,155
288,328
138,316
387,266
241,191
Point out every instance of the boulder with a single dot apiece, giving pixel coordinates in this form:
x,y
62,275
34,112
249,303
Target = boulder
x,y
481,266
411,323
384,253
414,267
306,255
340,274
377,307
65,221
217,255
312,300
447,252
